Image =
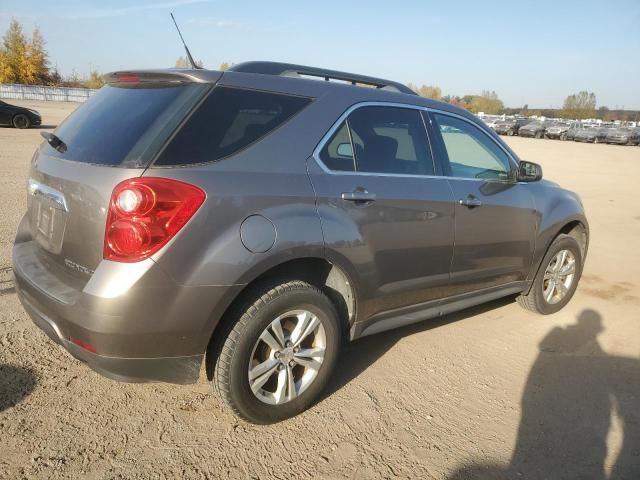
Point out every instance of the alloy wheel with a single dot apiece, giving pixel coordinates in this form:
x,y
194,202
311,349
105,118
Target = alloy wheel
x,y
287,357
558,276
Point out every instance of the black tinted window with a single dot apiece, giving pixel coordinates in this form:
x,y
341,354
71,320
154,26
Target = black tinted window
x,y
337,153
228,120
121,126
390,140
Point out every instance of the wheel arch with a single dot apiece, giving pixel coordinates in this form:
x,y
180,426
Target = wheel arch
x,y
330,277
576,228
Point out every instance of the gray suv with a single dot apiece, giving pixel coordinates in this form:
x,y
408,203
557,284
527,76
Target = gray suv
x,y
257,219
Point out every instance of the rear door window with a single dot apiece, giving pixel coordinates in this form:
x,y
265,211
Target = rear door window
x,y
125,125
229,120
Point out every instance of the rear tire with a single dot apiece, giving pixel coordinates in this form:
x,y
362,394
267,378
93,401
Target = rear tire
x,y
552,288
262,343
21,121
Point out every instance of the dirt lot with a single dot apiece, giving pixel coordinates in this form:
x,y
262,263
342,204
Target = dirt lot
x,y
492,392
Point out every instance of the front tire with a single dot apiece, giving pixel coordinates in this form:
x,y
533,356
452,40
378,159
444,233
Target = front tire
x,y
21,121
557,278
278,354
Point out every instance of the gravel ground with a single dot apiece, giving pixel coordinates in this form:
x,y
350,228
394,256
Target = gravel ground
x,y
492,392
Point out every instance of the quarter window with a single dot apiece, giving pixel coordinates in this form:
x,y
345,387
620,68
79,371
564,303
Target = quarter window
x,y
229,120
337,153
471,153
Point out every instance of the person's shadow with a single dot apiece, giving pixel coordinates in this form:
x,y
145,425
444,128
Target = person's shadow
x,y
15,384
566,410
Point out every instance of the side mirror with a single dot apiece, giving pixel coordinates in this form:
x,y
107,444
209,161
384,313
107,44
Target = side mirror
x,y
529,172
345,150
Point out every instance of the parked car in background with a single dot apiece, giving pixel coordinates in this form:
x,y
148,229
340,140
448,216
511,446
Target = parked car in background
x,y
533,129
623,136
591,135
510,126
557,130
202,229
491,122
573,129
18,117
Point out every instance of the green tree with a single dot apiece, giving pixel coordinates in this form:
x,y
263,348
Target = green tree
x,y
580,105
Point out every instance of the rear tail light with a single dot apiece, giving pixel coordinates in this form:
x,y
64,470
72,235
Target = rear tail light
x,y
145,213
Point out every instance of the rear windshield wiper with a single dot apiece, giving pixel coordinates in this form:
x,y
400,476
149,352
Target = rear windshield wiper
x,y
54,141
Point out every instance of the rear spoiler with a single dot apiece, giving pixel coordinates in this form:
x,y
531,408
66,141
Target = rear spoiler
x,y
172,76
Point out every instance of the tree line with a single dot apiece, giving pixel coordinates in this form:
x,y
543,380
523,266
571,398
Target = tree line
x,y
24,59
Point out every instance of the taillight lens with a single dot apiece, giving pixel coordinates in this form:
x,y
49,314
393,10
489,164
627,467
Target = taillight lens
x,y
145,213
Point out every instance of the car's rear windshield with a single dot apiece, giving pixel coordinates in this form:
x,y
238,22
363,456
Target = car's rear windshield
x,y
125,125
227,121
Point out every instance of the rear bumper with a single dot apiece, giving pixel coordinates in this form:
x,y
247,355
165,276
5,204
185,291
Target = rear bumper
x,y
162,369
153,330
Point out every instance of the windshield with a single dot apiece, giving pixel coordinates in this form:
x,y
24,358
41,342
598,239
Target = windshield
x,y
125,126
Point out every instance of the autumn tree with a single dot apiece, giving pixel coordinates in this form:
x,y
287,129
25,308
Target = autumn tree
x,y
23,60
580,105
225,66
427,91
94,81
13,54
183,62
488,102
37,60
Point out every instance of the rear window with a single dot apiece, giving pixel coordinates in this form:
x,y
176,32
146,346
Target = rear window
x,y
229,120
125,126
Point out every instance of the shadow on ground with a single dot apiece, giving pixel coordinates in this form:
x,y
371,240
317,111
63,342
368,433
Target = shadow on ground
x,y
361,354
571,391
15,384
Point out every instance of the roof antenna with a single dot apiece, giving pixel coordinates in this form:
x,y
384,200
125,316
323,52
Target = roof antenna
x,y
193,64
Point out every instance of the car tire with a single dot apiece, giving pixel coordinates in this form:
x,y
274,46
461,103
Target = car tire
x,y
595,140
253,338
547,298
21,121
510,133
563,136
538,135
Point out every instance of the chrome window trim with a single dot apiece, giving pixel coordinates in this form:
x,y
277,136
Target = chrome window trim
x,y
327,136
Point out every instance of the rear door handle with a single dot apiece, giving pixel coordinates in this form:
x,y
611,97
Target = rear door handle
x,y
471,202
358,196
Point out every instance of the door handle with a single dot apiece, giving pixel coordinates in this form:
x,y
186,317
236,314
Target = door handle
x,y
471,202
358,196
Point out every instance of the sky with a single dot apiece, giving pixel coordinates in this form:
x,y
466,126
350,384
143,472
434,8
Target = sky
x,y
529,52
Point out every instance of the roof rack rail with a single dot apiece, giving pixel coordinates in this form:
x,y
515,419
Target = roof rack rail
x,y
288,69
